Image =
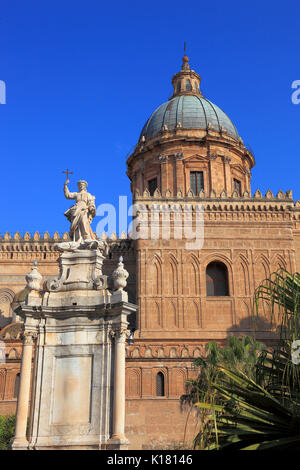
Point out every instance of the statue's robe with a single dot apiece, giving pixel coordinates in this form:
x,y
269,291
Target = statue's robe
x,y
80,215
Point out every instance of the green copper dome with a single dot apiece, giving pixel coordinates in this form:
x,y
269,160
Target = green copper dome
x,y
188,111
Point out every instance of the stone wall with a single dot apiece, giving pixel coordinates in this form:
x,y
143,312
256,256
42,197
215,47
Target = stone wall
x,y
251,236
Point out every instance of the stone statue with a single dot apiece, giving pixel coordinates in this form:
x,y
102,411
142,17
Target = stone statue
x,y
81,214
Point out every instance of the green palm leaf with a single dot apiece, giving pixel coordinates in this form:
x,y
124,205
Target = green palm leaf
x,y
282,294
251,417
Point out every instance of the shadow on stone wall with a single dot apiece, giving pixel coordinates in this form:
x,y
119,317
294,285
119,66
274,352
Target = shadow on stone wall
x,y
4,320
258,327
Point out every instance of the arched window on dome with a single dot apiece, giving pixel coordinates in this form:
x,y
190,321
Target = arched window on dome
x,y
178,86
216,280
152,185
188,85
237,187
160,384
196,87
196,181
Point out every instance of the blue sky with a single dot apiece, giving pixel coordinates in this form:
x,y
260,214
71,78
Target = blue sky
x,y
83,77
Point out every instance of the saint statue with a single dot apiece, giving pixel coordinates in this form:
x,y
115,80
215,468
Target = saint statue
x,y
81,214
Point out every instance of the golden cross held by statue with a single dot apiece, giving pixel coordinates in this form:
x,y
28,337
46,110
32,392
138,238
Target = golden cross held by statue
x,y
68,172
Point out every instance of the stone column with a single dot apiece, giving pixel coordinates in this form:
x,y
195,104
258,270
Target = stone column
x,y
164,173
213,180
139,178
179,175
118,435
248,181
20,440
227,175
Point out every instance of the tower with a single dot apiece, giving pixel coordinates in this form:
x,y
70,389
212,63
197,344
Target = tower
x,y
203,245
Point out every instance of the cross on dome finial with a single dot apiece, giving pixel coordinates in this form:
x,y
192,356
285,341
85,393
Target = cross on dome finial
x,y
186,81
185,59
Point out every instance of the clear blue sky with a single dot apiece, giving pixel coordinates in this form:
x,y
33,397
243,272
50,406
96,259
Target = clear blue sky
x,y
82,78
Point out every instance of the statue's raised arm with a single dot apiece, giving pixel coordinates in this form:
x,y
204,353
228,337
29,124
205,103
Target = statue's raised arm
x,y
67,193
82,213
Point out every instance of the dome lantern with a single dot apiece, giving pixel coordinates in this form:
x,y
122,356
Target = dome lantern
x,y
187,81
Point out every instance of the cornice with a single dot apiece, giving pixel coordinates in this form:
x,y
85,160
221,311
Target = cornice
x,y
163,143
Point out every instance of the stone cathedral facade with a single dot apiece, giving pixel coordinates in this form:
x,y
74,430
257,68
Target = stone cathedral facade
x,y
189,156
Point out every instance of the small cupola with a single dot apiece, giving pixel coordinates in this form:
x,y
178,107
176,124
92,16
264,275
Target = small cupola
x,y
187,81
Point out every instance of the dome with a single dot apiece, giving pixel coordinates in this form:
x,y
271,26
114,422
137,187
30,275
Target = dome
x,y
188,112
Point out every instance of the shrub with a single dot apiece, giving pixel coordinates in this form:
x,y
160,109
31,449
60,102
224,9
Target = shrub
x,y
7,431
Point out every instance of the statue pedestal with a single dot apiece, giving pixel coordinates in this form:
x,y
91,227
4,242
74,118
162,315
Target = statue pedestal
x,y
80,269
78,393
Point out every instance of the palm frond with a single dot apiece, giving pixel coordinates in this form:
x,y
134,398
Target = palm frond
x,y
278,300
251,417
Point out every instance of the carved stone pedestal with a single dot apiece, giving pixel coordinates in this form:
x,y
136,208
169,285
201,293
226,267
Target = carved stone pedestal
x,y
78,393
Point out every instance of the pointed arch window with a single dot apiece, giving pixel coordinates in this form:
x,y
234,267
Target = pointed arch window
x,y
160,384
216,280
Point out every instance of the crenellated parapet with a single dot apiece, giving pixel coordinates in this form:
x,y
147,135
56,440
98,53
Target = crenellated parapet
x,y
43,247
30,247
27,237
36,237
205,196
220,206
297,211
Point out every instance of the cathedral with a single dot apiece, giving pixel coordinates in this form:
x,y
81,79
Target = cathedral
x,y
189,160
